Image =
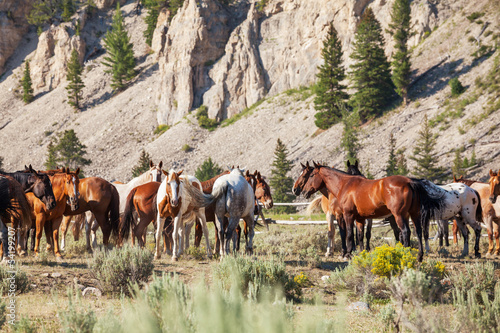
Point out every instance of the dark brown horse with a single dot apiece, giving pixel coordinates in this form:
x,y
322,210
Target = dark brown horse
x,y
360,198
65,187
101,198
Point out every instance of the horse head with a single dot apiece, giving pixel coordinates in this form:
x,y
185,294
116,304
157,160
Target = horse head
x,y
41,187
494,185
353,169
155,171
174,187
71,185
302,180
263,191
457,179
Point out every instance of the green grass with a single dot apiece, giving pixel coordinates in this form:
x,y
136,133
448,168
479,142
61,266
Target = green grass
x,y
245,113
160,129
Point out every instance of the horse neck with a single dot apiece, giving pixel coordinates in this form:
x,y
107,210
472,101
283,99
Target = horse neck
x,y
139,180
332,180
58,187
22,178
207,185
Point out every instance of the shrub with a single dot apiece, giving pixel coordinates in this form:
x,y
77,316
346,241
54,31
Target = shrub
x,y
186,148
386,260
22,282
24,325
160,129
118,268
203,120
255,277
302,280
3,313
476,279
456,87
412,285
474,16
75,319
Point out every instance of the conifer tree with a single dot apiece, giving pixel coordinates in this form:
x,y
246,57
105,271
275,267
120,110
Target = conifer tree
x,y
142,165
349,140
153,7
458,164
74,78
329,91
1,163
402,167
120,56
26,84
68,10
66,150
424,154
207,170
280,183
370,74
391,168
400,31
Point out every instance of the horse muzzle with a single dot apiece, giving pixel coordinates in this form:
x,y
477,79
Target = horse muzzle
x,y
296,191
268,204
73,203
174,202
50,204
493,199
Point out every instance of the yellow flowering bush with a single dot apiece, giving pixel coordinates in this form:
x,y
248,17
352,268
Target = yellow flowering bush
x,y
302,280
387,260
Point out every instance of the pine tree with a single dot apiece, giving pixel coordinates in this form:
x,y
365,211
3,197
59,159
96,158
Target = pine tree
x,y
391,167
329,91
458,164
120,57
349,140
279,181
400,31
370,74
142,165
68,10
153,7
207,170
74,78
27,85
424,154
66,150
402,167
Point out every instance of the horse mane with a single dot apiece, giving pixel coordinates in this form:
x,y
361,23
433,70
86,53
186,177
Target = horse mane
x,y
467,182
330,168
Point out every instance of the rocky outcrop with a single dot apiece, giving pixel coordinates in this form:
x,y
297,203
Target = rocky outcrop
x,y
13,26
103,4
238,76
160,33
48,66
196,38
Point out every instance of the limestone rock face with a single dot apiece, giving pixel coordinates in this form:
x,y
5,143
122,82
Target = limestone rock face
x,y
48,66
103,4
160,33
13,25
196,37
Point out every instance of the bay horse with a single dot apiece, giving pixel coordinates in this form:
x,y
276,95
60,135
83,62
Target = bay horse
x,y
181,198
65,186
331,208
360,198
102,199
490,209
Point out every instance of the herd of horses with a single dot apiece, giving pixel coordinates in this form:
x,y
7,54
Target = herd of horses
x,y
48,200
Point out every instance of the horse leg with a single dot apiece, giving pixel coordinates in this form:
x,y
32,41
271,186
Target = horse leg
x,y
187,233
446,231
175,233
217,240
343,235
93,228
159,230
249,229
455,231
465,233
331,234
349,223
405,229
360,230
489,227
497,238
64,229
220,210
238,237
33,238
418,227
425,227
440,232
87,234
233,222
55,233
395,227
77,226
198,232
48,236
203,223
40,222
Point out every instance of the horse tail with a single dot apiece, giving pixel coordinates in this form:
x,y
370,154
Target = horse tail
x,y
314,205
114,211
479,210
199,198
431,200
128,220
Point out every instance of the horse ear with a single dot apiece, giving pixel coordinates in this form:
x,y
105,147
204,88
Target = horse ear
x,y
455,180
247,173
160,164
491,173
151,164
77,172
259,177
302,165
26,168
31,169
315,164
348,163
307,164
356,163
164,172
180,172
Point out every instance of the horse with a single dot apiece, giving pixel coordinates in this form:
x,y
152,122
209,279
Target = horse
x,y
490,210
332,209
65,186
360,198
181,198
102,199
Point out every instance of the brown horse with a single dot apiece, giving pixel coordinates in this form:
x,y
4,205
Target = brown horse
x,y
490,208
360,198
101,198
65,187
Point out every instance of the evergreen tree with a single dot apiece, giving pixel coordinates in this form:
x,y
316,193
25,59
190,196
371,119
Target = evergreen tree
x,y
458,164
1,163
367,172
142,165
424,154
402,167
42,12
391,168
74,78
153,7
279,181
400,31
68,10
370,74
66,150
329,91
349,140
207,170
120,57
27,85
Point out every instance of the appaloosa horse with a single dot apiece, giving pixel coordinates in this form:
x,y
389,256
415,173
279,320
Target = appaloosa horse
x,y
360,198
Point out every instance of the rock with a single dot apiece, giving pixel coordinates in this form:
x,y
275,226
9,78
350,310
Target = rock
x,y
160,33
102,4
56,275
325,278
91,291
358,306
45,275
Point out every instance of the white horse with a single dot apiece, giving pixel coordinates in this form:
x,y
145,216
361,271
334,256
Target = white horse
x,y
235,199
181,198
460,202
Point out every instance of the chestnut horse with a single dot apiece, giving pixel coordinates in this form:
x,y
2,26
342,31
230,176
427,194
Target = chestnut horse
x,y
102,199
65,187
360,198
332,209
490,208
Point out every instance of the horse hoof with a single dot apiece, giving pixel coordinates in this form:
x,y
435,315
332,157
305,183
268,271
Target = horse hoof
x,y
478,255
327,255
175,259
59,258
157,257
